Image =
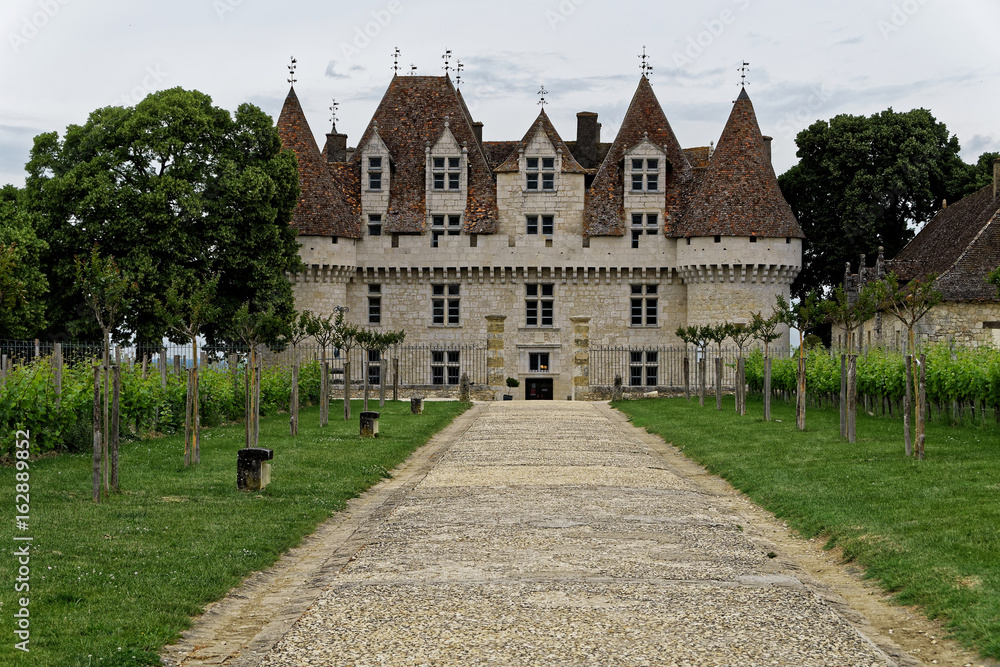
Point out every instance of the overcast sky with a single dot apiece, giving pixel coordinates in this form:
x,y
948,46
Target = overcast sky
x,y
809,60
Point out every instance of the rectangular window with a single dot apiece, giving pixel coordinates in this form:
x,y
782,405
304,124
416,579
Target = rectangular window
x,y
445,367
438,228
643,369
540,170
538,362
644,305
532,224
375,173
538,304
445,304
446,171
645,174
374,224
374,304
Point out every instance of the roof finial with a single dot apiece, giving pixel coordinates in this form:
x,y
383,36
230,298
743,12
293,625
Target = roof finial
x,y
395,62
413,69
743,74
447,61
291,71
458,72
646,68
333,113
541,100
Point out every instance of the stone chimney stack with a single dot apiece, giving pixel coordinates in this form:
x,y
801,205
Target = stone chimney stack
x,y
996,176
477,129
336,147
588,136
767,147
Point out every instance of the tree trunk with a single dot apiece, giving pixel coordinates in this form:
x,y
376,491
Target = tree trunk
x,y
195,403
116,392
347,387
188,421
256,404
247,399
852,398
381,381
395,378
800,399
687,376
324,393
57,367
921,399
97,434
107,406
365,367
702,373
741,386
843,395
293,401
718,383
907,402
767,389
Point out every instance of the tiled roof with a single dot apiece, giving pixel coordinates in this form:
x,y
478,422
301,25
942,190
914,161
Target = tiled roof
x,y
961,244
604,212
698,157
498,151
321,210
738,194
569,163
411,114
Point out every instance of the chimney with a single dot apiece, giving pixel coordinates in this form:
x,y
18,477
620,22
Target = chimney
x,y
477,129
767,146
996,176
336,147
588,135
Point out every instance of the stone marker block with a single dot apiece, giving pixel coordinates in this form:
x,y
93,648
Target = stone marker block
x,y
253,472
417,405
369,424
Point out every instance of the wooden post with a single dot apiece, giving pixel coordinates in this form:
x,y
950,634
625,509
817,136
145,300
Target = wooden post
x,y
852,398
188,421
843,395
177,364
247,400
907,402
256,412
767,389
347,387
741,385
293,400
395,378
800,398
116,390
687,376
145,364
324,393
162,363
718,383
921,399
57,369
701,381
366,371
4,366
97,434
38,349
381,380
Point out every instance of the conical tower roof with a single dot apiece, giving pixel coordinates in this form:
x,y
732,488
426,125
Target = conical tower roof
x,y
604,214
321,210
544,125
739,195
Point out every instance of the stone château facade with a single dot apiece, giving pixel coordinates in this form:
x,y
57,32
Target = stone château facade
x,y
538,246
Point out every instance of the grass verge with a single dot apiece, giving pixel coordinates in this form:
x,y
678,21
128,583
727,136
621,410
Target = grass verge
x,y
110,584
927,531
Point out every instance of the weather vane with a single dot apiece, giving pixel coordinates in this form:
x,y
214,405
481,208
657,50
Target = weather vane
x,y
395,61
447,61
458,72
413,69
291,71
743,74
543,93
333,112
646,68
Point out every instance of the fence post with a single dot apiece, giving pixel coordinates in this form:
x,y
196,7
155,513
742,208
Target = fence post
x,y
581,356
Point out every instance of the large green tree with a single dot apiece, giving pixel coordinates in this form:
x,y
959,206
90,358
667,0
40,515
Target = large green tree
x,y
868,181
172,188
23,286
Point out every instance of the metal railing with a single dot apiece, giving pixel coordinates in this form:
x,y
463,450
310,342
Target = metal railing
x,y
656,366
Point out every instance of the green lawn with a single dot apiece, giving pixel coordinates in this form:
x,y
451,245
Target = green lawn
x,y
928,531
112,583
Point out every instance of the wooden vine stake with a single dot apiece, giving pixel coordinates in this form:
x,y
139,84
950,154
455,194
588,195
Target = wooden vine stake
x,y
97,434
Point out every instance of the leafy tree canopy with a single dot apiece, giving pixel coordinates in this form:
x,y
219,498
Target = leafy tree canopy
x,y
869,181
172,188
23,286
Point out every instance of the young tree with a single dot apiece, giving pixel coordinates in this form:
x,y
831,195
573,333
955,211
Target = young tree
x,y
765,329
381,342
804,316
687,334
718,334
850,311
345,337
256,327
305,326
909,303
325,336
702,335
108,293
741,334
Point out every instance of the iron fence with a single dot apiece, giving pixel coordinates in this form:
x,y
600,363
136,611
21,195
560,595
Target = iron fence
x,y
656,366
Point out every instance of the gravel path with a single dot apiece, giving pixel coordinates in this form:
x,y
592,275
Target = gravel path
x,y
550,533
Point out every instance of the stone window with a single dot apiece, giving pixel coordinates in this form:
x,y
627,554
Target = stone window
x,y
444,366
538,362
439,229
540,174
374,304
538,304
375,173
651,221
374,224
644,305
645,174
643,368
374,367
545,222
445,304
447,173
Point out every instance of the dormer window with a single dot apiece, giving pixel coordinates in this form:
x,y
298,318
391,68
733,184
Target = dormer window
x,y
439,228
375,173
540,174
447,173
645,174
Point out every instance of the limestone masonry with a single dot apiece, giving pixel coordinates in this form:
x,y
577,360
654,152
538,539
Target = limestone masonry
x,y
426,227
